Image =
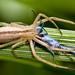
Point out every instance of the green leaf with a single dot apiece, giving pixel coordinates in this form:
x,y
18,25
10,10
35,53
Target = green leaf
x,y
29,65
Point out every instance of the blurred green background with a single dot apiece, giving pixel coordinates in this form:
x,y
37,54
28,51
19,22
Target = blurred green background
x,y
20,11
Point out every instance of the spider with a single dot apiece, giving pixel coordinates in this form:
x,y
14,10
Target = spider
x,y
17,34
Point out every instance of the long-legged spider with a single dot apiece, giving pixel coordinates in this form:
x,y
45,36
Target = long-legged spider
x,y
15,33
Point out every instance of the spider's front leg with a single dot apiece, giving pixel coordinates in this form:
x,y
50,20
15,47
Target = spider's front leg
x,y
52,48
50,19
62,20
42,60
15,45
36,22
9,43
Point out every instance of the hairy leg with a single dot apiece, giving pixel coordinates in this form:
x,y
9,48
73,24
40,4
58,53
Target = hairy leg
x,y
9,43
47,46
5,24
36,22
14,24
15,45
42,60
17,24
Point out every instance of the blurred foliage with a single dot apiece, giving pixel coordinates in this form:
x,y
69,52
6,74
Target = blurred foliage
x,y
20,10
11,66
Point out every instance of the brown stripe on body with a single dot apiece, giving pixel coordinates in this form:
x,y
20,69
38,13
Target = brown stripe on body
x,y
8,34
8,30
8,37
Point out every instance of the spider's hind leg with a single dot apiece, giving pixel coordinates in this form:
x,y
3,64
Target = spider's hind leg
x,y
14,24
17,24
4,24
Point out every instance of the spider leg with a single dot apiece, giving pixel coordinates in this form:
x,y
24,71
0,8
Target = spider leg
x,y
53,52
15,45
36,22
47,46
17,24
48,49
9,43
42,60
14,24
56,19
5,24
62,20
